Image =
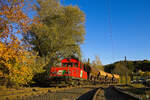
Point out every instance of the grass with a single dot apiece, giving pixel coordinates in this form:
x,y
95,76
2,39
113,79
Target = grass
x,y
123,80
22,92
26,92
138,85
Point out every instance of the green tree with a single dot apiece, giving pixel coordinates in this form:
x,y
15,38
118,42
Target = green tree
x,y
60,30
120,68
109,68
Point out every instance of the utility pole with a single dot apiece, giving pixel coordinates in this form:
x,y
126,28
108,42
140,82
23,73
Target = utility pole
x,y
126,72
125,58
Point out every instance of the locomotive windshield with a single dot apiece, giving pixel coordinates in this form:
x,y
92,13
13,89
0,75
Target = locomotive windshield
x,y
67,64
70,64
64,64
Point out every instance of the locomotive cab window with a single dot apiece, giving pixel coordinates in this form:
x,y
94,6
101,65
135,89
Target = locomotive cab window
x,y
64,64
70,64
67,64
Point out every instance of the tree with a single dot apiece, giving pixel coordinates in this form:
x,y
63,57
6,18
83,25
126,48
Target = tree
x,y
97,63
60,32
15,61
120,68
109,68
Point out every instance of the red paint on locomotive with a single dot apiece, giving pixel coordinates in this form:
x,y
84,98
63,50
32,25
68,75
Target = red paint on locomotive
x,y
72,68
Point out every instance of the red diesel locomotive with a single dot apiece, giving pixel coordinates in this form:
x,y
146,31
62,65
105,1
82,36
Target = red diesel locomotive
x,y
71,72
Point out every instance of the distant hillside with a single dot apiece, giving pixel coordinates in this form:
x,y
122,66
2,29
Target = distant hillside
x,y
121,67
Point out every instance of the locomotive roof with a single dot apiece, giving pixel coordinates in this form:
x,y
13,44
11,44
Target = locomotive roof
x,y
67,60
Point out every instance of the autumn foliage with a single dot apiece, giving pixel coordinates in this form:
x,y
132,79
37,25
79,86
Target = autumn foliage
x,y
15,60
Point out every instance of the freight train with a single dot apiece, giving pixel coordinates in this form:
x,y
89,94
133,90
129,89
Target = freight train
x,y
73,72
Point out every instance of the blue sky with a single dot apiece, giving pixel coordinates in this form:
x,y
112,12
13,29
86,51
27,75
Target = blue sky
x,y
130,28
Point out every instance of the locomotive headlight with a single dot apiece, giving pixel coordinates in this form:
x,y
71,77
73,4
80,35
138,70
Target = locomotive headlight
x,y
61,72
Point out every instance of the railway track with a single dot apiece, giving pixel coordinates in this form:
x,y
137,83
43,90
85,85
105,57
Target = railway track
x,y
113,93
89,95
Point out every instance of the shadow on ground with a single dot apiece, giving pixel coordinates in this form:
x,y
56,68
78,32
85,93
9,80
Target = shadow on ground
x,y
88,96
111,94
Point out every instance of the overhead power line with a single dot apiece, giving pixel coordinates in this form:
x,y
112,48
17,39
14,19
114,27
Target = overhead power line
x,y
110,27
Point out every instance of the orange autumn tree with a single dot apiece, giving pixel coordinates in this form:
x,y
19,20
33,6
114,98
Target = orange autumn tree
x,y
15,60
